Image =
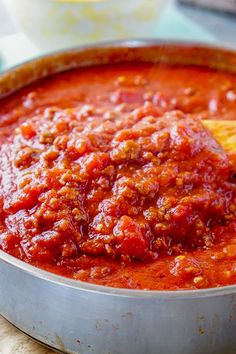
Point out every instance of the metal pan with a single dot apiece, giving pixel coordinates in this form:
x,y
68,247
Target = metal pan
x,y
77,317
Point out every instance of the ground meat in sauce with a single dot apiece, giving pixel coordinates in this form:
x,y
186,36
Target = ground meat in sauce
x,y
133,193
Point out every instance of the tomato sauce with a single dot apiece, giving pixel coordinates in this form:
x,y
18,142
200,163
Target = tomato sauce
x,y
109,176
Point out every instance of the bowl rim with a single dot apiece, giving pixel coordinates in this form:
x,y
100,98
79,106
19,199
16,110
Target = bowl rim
x,y
79,285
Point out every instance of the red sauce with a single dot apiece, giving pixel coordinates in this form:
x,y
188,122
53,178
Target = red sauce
x,y
109,176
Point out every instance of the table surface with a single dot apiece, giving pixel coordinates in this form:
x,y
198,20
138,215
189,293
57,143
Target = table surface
x,y
179,23
12,341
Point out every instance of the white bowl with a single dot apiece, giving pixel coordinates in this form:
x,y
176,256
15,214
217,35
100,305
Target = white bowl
x,y
55,24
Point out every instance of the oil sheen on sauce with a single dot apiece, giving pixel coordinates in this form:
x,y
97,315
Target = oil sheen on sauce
x,y
108,175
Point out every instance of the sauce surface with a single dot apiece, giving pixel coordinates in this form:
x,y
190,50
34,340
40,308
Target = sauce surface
x,y
108,175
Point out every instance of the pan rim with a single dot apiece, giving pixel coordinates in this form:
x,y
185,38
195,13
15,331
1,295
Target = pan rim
x,y
94,288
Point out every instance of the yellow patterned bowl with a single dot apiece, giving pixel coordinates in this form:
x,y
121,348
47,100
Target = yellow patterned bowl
x,y
56,24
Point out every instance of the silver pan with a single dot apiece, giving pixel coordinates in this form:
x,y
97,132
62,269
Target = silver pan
x,y
77,317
